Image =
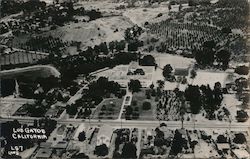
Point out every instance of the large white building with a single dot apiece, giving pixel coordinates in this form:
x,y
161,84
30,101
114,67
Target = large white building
x,y
122,74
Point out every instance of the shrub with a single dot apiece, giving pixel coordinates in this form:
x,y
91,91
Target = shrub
x,y
146,106
81,136
242,70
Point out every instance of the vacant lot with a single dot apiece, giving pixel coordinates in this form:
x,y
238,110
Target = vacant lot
x,y
141,15
94,32
210,78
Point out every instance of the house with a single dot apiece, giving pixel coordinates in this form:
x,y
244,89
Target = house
x,y
61,145
45,144
223,146
104,135
241,154
43,153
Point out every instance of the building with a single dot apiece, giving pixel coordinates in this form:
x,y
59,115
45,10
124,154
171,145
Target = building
x,y
241,154
104,135
181,72
43,153
122,74
223,146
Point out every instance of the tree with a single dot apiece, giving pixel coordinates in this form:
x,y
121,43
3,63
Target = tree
x,y
218,96
210,103
129,151
209,44
129,111
191,3
132,33
167,70
147,60
135,115
134,85
146,105
159,142
119,46
101,150
134,45
221,139
71,109
193,95
178,144
82,136
239,138
112,46
223,57
193,74
160,83
152,86
242,116
226,30
242,70
10,7
103,48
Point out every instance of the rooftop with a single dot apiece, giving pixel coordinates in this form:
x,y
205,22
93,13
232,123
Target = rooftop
x,y
44,153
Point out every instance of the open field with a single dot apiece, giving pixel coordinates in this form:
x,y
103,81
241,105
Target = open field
x,y
210,78
104,29
148,14
108,109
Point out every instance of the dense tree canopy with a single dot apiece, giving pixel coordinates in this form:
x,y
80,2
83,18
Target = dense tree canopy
x,y
192,94
82,136
147,60
129,151
101,150
167,70
134,85
223,57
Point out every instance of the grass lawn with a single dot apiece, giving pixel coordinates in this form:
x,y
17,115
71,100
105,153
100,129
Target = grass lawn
x,y
137,101
108,109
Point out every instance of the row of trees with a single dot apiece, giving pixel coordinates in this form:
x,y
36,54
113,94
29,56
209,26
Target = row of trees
x,y
204,97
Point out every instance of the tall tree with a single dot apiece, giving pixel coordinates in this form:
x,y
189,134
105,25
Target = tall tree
x,y
147,60
129,151
134,85
223,57
167,70
193,95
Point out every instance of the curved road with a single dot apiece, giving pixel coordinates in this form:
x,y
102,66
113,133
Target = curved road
x,y
30,69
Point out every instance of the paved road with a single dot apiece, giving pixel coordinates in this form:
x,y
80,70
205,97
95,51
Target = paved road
x,y
141,124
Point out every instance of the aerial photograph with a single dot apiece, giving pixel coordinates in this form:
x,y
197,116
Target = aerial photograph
x,y
124,79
